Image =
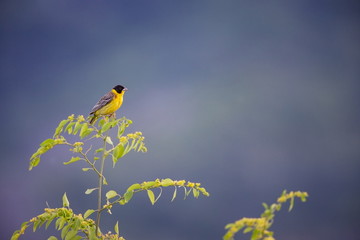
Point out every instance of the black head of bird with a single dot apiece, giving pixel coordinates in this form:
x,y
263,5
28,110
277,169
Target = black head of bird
x,y
119,88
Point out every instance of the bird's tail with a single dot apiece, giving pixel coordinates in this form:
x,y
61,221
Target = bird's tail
x,y
93,119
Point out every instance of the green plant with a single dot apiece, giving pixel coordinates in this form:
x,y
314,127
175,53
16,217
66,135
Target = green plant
x,y
260,226
80,226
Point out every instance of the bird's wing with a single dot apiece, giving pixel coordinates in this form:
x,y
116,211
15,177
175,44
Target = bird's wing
x,y
106,99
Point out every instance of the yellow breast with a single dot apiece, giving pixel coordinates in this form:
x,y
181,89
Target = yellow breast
x,y
114,105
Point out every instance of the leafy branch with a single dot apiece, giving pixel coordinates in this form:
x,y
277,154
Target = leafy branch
x,y
148,186
80,226
78,126
259,226
72,226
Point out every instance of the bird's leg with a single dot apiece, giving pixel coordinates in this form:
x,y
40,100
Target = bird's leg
x,y
113,115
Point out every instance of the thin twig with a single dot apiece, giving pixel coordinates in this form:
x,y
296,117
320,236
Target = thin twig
x,y
86,159
118,200
100,187
91,164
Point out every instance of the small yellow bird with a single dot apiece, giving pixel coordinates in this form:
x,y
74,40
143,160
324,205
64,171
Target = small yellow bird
x,y
109,103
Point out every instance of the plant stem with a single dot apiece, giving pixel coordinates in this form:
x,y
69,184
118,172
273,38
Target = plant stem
x,y
118,200
86,159
101,181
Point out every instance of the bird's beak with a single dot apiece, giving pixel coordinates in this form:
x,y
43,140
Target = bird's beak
x,y
125,89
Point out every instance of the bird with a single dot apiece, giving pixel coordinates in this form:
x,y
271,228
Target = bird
x,y
109,103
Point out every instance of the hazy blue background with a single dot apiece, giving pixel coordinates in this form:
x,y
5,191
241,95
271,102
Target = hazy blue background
x,y
247,97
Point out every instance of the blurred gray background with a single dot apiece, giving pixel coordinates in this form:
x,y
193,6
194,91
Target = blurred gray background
x,y
246,97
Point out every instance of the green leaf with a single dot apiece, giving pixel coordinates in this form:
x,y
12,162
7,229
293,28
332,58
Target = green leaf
x,y
229,225
71,234
88,212
36,224
256,234
108,140
65,201
49,221
77,237
41,150
15,235
52,238
174,194
111,194
291,204
167,182
87,132
73,159
116,228
265,206
65,230
141,147
119,151
46,142
77,127
248,229
114,161
92,235
69,127
99,150
196,193
114,122
104,181
128,195
24,224
151,196
106,127
278,207
42,221
61,223
127,148
34,162
37,153
86,169
77,224
133,187
267,213
101,122
59,128
121,130
273,207
83,129
149,184
88,191
136,145
57,223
